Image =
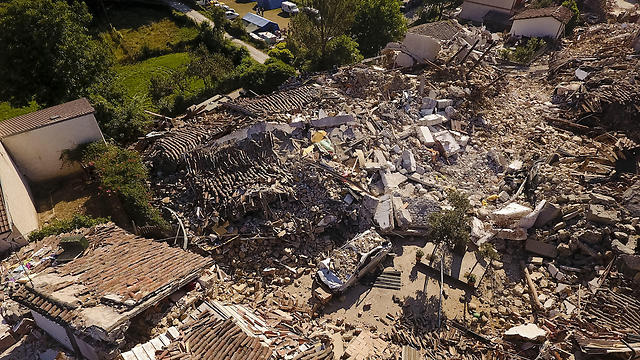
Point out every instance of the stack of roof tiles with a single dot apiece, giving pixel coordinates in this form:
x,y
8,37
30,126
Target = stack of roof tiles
x,y
215,339
278,102
166,153
4,215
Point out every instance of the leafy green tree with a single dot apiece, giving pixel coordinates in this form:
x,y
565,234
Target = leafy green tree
x,y
432,9
310,32
264,78
452,226
120,172
211,68
377,22
276,74
47,54
341,50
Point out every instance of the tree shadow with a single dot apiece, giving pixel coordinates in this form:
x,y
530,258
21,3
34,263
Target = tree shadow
x,y
421,311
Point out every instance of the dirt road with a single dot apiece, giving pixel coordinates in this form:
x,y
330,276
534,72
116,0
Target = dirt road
x,y
256,54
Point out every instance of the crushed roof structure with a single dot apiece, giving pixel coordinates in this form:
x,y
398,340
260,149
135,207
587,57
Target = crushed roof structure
x,y
559,13
115,278
44,117
216,331
280,101
5,226
441,30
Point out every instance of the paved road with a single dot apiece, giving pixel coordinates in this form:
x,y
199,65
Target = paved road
x,y
256,54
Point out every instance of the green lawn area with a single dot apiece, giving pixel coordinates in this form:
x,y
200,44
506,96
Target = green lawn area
x,y
134,78
143,32
7,111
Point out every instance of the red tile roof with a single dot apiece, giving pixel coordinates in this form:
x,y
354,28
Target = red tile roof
x,y
40,118
118,270
215,339
4,215
559,13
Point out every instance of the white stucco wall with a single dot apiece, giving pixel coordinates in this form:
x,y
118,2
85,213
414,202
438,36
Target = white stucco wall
x,y
54,330
18,200
475,10
421,46
37,152
537,27
86,350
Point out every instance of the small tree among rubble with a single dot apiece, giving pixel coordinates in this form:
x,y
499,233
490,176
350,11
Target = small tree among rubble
x,y
453,226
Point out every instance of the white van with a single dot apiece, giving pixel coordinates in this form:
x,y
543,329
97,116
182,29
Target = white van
x,y
290,8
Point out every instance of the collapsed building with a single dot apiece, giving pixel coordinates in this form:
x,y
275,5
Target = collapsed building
x,y
84,288
335,176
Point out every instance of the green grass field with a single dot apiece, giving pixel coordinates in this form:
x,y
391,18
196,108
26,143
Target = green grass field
x,y
135,77
142,32
7,111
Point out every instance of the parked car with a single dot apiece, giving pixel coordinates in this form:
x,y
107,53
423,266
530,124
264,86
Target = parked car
x,y
224,6
290,8
231,14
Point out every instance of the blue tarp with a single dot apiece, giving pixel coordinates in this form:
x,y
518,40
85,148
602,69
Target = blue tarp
x,y
270,4
261,24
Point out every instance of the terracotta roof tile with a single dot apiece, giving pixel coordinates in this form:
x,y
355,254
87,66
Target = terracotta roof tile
x,y
215,339
43,117
117,268
559,13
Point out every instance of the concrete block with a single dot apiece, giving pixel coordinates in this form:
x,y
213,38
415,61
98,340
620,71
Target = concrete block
x,y
443,103
425,136
432,119
409,161
541,248
332,121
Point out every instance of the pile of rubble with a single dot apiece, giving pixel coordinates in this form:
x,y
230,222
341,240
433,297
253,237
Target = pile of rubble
x,y
599,76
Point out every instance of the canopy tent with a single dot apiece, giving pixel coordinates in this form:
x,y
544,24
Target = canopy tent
x,y
256,23
270,4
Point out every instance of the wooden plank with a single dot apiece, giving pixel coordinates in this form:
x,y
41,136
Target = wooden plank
x,y
150,350
129,355
165,340
139,352
157,344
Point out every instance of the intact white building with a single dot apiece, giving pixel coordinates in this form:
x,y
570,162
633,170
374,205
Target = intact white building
x,y
36,141
476,10
31,146
545,22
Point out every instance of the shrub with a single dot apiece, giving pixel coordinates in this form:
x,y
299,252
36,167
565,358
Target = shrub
x,y
341,50
571,5
263,78
58,226
280,52
452,226
160,85
120,117
121,173
471,278
523,53
419,253
487,251
236,28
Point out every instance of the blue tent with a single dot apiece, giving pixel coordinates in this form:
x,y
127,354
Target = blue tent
x,y
270,4
256,23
